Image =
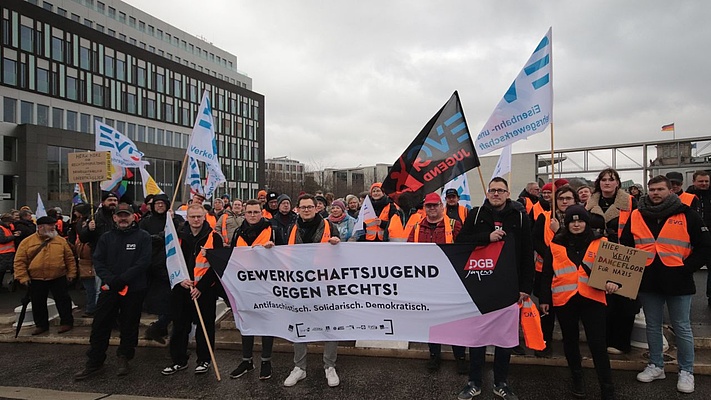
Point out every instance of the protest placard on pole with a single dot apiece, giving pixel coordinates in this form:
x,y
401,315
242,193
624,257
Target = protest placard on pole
x,y
88,166
619,264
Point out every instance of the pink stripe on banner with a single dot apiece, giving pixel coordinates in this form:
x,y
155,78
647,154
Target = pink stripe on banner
x,y
497,328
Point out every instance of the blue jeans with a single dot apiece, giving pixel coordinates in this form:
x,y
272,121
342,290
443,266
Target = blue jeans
x,y
679,308
90,289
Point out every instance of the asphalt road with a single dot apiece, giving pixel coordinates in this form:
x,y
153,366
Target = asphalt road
x,y
53,366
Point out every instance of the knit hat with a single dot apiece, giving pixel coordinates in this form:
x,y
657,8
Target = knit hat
x,y
560,182
575,213
376,184
283,197
106,195
262,193
272,195
548,187
340,204
675,177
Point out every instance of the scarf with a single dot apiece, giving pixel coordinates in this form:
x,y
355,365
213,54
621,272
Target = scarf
x,y
250,232
337,220
307,229
670,206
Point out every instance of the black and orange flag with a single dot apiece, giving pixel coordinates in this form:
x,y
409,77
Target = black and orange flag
x,y
442,151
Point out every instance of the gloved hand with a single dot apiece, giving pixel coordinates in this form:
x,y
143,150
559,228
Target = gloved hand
x,y
117,284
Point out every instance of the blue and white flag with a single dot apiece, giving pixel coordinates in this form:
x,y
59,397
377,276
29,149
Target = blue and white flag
x,y
366,212
527,106
503,166
41,212
124,153
461,184
203,147
174,260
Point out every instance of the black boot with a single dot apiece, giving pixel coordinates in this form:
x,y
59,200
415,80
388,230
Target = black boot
x,y
578,384
608,391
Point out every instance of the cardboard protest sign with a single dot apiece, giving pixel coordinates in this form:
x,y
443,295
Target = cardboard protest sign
x,y
89,166
619,264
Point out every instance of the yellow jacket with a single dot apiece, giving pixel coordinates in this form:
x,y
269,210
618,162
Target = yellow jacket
x,y
54,261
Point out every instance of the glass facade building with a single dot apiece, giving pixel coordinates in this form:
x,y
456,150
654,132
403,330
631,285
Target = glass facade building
x,y
66,64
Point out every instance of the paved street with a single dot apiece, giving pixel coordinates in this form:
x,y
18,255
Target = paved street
x,y
51,366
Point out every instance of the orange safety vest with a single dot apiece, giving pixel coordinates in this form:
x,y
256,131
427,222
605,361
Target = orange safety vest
x,y
211,220
373,230
531,325
263,237
528,203
673,245
687,198
537,210
463,211
324,238
60,226
266,214
8,247
448,237
547,231
411,223
201,264
624,217
569,278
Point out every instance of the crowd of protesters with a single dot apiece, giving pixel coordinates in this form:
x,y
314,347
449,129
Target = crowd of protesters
x,y
117,253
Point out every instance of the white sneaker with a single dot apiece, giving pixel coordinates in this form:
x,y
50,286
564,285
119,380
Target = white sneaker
x,y
652,373
294,377
333,380
685,384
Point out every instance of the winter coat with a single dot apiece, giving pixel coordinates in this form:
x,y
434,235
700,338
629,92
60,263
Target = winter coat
x,y
104,223
26,229
122,257
281,228
55,260
481,221
611,216
301,229
191,247
345,227
232,221
428,234
704,203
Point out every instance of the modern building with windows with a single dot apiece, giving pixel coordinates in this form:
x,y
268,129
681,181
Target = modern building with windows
x,y
284,175
67,63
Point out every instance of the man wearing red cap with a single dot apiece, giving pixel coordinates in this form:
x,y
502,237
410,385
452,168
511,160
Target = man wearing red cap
x,y
438,228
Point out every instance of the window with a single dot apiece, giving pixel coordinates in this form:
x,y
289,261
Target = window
x,y
85,122
160,34
9,106
111,32
120,69
97,92
62,12
9,147
100,28
57,49
122,37
42,80
132,22
131,131
100,7
151,135
151,109
26,38
131,103
71,120
169,138
57,118
109,66
141,26
132,41
160,83
72,88
141,136
121,126
160,136
84,57
88,23
109,122
42,115
168,114
112,12
9,71
76,18
27,112
151,30
47,6
122,17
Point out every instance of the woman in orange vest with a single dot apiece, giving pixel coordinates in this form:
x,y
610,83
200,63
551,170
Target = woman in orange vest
x,y
614,206
378,229
544,228
566,269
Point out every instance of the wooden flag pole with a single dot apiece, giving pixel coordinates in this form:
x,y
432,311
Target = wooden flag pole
x,y
207,339
481,178
177,185
91,200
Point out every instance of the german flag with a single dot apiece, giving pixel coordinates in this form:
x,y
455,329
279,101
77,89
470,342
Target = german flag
x,y
668,128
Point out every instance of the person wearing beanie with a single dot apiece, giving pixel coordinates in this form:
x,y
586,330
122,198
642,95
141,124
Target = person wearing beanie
x,y
636,191
343,222
544,228
565,290
157,299
679,244
283,220
271,206
611,208
102,221
389,218
262,197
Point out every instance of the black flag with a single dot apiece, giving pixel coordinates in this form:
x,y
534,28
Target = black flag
x,y
442,151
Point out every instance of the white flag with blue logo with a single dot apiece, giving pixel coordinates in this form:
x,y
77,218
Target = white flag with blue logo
x,y
202,141
41,212
194,177
527,106
366,212
215,178
461,185
503,166
174,260
124,153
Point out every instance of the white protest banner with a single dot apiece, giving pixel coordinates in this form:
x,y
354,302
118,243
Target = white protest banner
x,y
41,212
174,260
449,294
527,106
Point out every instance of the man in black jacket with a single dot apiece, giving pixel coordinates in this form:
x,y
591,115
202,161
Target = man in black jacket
x,y
702,189
678,244
283,220
121,259
102,221
496,219
195,237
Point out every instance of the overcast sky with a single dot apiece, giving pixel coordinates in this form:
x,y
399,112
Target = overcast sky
x,y
350,83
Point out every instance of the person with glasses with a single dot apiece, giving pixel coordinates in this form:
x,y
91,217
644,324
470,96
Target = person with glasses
x,y
496,220
438,227
611,208
544,228
310,227
254,231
